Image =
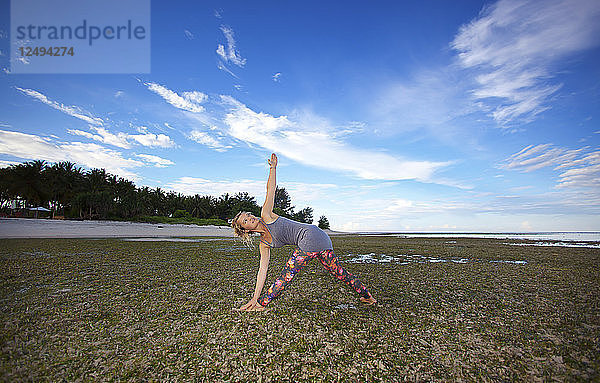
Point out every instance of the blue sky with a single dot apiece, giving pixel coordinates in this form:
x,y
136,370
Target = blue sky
x,y
430,116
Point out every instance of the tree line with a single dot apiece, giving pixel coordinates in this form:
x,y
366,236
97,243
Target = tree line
x,y
69,191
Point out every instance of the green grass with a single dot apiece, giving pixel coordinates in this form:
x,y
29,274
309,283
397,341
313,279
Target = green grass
x,y
161,311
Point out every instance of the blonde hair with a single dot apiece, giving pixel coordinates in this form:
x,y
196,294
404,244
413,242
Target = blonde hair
x,y
239,231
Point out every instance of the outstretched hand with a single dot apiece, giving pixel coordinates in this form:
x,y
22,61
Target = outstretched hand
x,y
273,160
252,305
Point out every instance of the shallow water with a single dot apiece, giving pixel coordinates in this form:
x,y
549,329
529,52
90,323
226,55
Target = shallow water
x,y
588,236
173,239
559,244
405,259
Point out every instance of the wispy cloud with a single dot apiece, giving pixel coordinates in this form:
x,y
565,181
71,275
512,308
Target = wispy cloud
x,y
534,157
312,141
102,135
124,140
222,67
430,100
313,147
32,147
582,165
515,47
151,140
155,160
206,139
190,101
585,174
70,110
230,54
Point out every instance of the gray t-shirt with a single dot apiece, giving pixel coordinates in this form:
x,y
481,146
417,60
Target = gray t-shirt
x,y
307,237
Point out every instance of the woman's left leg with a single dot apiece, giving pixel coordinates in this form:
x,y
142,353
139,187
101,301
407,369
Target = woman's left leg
x,y
297,261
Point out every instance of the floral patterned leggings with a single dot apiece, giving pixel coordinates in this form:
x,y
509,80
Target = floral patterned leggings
x,y
298,260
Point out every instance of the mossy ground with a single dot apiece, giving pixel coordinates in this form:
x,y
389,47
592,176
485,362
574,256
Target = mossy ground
x,y
162,311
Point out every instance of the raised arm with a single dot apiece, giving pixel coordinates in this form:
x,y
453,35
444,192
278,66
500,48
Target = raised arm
x,y
267,208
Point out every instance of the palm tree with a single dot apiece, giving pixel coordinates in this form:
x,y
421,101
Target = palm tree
x,y
6,179
64,181
29,182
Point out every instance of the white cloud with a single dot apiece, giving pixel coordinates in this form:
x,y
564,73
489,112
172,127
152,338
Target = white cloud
x,y
153,140
32,147
28,146
202,186
221,52
104,136
70,110
189,101
123,140
515,46
208,140
225,69
588,176
317,148
526,226
308,193
157,161
230,54
582,166
428,103
371,213
5,164
390,208
195,97
77,132
536,157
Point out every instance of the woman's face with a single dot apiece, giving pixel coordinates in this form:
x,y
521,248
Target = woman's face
x,y
247,221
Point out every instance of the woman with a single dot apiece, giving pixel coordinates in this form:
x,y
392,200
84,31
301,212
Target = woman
x,y
276,231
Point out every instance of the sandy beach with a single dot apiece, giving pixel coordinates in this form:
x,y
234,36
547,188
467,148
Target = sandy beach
x,y
48,228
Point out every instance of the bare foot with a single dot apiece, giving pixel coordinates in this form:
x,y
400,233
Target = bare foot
x,y
368,302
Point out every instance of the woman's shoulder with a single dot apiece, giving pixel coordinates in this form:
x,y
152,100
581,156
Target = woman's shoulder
x,y
269,217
